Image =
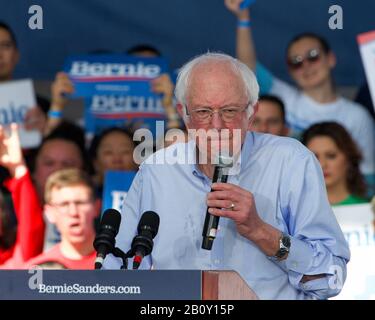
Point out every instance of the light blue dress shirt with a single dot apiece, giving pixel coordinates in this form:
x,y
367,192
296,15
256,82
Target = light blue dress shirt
x,y
287,183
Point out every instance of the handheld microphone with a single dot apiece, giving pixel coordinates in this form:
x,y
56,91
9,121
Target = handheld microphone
x,y
104,242
142,244
211,222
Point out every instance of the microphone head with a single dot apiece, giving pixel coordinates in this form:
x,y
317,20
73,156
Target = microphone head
x,y
224,161
149,221
111,219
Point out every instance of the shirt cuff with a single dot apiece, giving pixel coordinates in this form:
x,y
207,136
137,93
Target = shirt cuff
x,y
300,257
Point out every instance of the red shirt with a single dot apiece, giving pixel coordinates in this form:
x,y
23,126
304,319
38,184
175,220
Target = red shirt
x,y
55,255
30,228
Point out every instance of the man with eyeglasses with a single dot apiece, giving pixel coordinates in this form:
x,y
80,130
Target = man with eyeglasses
x,y
71,205
310,63
276,230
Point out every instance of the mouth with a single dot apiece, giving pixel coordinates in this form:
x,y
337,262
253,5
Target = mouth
x,y
75,228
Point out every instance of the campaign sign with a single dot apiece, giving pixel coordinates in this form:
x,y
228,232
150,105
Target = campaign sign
x,y
117,90
108,74
116,187
104,111
356,222
366,43
16,98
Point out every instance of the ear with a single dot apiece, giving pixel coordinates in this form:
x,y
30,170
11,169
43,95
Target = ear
x,y
182,112
50,213
252,116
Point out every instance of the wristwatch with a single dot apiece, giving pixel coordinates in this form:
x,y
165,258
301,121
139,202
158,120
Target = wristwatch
x,y
284,246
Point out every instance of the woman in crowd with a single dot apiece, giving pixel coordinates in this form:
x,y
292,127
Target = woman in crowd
x,y
339,158
310,62
112,149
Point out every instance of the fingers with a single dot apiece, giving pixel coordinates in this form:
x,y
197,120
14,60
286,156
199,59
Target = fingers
x,y
219,195
233,5
162,84
61,85
222,204
229,187
227,213
14,129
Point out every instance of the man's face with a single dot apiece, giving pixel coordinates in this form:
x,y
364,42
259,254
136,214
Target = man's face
x,y
217,88
73,210
269,119
55,155
8,55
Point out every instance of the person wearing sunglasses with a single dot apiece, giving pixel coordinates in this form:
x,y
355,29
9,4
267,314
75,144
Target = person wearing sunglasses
x,y
310,62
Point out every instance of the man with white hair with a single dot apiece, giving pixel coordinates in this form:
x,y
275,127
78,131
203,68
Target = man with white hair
x,y
277,229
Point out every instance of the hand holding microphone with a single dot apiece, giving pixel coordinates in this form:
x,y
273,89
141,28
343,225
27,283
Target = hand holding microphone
x,y
211,222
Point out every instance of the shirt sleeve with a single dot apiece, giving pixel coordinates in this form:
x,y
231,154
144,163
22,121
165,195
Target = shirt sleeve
x,y
30,227
264,77
318,245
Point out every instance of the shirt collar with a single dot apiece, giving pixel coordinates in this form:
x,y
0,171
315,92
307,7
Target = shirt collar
x,y
239,164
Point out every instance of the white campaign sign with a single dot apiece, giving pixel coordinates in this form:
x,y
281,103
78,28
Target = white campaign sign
x,y
356,222
366,43
16,98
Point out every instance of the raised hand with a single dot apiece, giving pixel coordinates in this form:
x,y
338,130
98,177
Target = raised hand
x,y
163,85
10,152
62,85
35,119
234,7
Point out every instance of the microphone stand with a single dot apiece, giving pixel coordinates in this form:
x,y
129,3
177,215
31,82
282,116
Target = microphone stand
x,y
117,252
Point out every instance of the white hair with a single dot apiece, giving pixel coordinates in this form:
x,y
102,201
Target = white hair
x,y
247,76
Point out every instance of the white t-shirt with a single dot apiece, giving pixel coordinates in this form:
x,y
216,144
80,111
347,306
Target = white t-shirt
x,y
302,112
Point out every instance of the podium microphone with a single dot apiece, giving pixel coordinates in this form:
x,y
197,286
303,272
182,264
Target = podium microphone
x,y
104,242
142,244
211,222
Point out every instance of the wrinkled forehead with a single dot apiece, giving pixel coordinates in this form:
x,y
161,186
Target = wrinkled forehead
x,y
215,76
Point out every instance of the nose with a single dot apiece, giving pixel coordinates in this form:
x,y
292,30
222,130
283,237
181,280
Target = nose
x,y
216,121
72,208
323,163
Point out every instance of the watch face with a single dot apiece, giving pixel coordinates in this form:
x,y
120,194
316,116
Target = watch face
x,y
286,241
282,252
